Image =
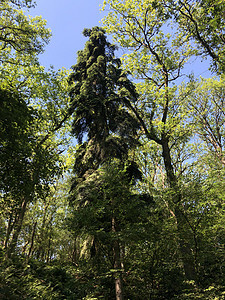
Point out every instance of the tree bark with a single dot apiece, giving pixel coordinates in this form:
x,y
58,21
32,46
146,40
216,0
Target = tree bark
x,y
18,226
32,240
182,226
117,265
8,231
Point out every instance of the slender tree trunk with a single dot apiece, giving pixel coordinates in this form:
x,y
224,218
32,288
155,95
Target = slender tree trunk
x,y
24,248
48,258
118,288
182,226
8,231
117,265
32,240
17,229
41,235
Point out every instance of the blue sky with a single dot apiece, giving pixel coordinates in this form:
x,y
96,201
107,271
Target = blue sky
x,y
66,19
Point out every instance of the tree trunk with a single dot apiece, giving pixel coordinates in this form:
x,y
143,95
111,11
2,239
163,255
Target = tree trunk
x,y
17,229
48,258
182,226
118,288
117,265
32,239
8,231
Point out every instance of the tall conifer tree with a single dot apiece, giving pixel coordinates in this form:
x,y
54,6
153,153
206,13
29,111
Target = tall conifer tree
x,y
99,93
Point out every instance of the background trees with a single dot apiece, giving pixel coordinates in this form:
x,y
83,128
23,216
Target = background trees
x,y
157,59
33,112
20,33
203,23
34,119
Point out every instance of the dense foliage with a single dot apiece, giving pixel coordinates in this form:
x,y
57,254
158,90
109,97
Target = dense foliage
x,y
112,173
